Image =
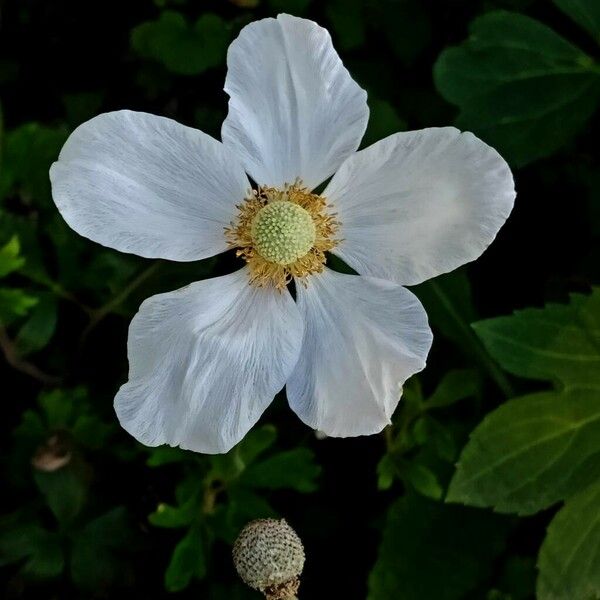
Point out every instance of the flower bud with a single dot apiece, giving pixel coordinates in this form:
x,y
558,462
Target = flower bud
x,y
269,557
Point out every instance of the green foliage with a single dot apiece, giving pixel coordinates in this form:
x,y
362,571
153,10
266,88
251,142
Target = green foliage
x,y
543,448
576,531
420,446
519,85
430,550
584,12
219,494
182,48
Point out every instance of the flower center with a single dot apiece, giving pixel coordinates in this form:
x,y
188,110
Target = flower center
x,y
283,232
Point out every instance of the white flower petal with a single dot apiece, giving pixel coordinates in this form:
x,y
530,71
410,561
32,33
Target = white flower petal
x,y
294,110
421,203
148,185
363,338
205,361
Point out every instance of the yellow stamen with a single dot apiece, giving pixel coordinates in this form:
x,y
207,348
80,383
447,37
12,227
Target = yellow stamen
x,y
283,233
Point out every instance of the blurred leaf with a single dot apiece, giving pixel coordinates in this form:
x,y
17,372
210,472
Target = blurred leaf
x,y
383,121
65,491
187,562
432,550
165,455
182,48
456,385
14,303
96,556
90,431
531,452
520,86
256,442
23,540
39,328
175,516
10,259
569,561
58,406
557,343
584,12
386,471
28,153
422,479
295,469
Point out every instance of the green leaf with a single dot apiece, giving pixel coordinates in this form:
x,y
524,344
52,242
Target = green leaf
x,y
386,472
187,562
256,443
39,328
10,259
28,153
456,385
65,491
569,560
519,85
14,303
96,560
432,550
558,343
584,12
165,455
531,452
182,48
23,540
169,516
422,479
295,469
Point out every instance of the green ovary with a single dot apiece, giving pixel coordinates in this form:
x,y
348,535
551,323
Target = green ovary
x,y
283,232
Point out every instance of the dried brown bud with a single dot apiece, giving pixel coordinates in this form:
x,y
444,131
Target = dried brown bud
x,y
52,454
269,557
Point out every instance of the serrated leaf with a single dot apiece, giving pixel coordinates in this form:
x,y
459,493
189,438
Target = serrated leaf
x,y
557,343
10,258
295,469
182,48
584,12
569,560
432,550
187,562
531,452
520,86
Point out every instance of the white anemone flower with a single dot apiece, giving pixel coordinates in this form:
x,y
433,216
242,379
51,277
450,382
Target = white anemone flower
x,y
206,360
